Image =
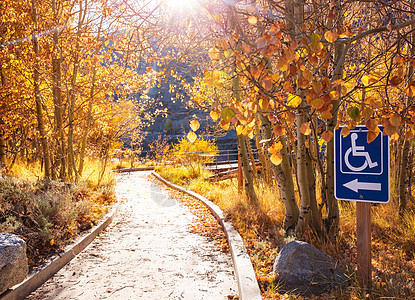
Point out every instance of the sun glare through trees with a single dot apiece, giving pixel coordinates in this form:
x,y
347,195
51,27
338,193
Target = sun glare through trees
x,y
181,5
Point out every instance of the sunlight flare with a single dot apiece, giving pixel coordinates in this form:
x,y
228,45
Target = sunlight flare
x,y
181,4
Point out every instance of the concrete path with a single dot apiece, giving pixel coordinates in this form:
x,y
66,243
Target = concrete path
x,y
147,253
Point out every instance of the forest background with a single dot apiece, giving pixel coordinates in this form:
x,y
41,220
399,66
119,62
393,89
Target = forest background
x,y
75,77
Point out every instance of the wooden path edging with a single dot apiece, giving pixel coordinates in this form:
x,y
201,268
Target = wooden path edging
x,y
35,280
244,272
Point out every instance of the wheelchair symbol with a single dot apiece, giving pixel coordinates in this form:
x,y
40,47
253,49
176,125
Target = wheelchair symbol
x,y
357,151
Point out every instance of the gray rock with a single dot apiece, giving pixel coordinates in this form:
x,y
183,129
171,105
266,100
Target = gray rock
x,y
303,269
13,261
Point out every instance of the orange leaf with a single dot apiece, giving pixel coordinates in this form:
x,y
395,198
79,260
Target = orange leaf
x,y
308,75
331,36
266,84
372,135
305,128
410,90
197,99
302,82
395,80
276,159
374,102
191,136
345,131
367,113
371,124
326,115
389,129
278,130
396,120
214,53
327,136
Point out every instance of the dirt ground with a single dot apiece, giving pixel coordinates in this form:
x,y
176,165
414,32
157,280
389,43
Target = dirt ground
x,y
146,253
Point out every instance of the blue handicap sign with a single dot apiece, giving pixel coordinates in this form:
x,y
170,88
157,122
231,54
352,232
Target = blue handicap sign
x,y
362,169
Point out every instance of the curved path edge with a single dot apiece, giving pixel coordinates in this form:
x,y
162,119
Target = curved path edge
x,y
35,280
244,272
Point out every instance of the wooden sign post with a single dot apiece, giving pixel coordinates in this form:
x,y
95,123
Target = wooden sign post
x,y
362,174
363,244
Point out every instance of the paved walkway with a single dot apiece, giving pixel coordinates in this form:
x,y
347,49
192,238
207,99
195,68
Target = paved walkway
x,y
147,253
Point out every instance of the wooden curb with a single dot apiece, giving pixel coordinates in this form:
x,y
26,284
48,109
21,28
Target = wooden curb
x,y
245,275
35,280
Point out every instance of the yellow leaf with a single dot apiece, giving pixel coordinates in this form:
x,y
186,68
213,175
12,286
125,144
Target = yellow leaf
x,y
239,129
275,148
191,136
225,125
317,103
334,95
305,128
365,80
194,125
293,100
215,115
252,20
368,80
276,159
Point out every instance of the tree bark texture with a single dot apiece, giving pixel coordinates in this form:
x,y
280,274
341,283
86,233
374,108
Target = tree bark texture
x,y
3,142
243,153
252,159
247,172
404,182
39,110
284,178
332,224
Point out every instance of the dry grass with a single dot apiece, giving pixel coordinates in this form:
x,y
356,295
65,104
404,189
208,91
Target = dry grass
x,y
393,239
48,214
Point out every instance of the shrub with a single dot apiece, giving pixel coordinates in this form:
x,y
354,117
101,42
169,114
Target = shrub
x,y
159,150
187,153
48,214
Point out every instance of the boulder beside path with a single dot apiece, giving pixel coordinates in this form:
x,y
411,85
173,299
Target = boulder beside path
x,y
13,261
303,269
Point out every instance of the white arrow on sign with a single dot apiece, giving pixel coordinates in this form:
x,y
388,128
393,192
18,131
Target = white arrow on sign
x,y
355,186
